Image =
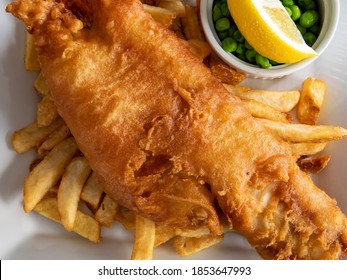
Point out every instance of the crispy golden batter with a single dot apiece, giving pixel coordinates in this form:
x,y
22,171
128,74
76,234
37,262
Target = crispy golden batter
x,y
164,136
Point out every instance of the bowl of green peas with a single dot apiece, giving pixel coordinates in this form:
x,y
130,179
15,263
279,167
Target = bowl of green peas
x,y
316,20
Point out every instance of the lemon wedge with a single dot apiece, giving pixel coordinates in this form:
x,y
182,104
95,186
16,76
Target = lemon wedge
x,y
268,28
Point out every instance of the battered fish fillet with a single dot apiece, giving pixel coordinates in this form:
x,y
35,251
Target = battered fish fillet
x,y
164,136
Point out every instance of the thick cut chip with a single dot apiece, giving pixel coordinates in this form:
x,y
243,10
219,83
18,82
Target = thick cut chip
x,y
107,212
47,173
32,135
283,101
304,133
144,239
70,189
92,193
41,86
46,111
186,246
85,225
58,135
31,60
263,111
311,100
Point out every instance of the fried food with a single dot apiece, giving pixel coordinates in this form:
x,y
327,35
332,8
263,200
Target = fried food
x,y
165,138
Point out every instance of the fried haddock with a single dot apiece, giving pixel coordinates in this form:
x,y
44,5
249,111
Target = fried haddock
x,y
166,139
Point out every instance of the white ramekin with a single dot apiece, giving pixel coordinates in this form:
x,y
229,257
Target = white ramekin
x,y
329,9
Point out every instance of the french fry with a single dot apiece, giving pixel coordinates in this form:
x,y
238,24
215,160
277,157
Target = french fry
x,y
106,214
58,135
186,246
32,135
144,239
306,149
313,165
47,173
224,73
176,7
92,193
283,101
85,225
40,85
190,24
70,188
46,111
127,218
304,133
261,110
161,15
30,58
163,233
311,100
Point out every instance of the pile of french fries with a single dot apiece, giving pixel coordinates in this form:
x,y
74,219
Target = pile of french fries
x,y
61,185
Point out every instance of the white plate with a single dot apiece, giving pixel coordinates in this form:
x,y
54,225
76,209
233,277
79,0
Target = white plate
x,y
30,236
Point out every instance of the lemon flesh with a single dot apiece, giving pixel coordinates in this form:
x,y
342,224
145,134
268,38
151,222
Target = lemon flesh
x,y
268,28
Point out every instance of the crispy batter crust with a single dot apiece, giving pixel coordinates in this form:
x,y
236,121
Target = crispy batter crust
x,y
164,136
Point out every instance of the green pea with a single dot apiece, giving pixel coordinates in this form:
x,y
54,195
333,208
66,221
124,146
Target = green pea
x,y
223,34
296,12
216,13
307,4
289,11
222,24
225,10
309,18
240,49
301,29
232,29
315,29
229,44
238,36
241,56
250,55
310,38
287,3
248,46
262,61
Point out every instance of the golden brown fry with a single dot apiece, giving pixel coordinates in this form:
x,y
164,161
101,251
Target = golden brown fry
x,y
144,239
92,193
306,149
58,135
31,60
127,218
176,7
313,165
85,225
46,111
163,233
47,173
263,111
106,214
164,16
186,246
32,135
41,86
304,133
311,100
283,101
190,24
70,188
